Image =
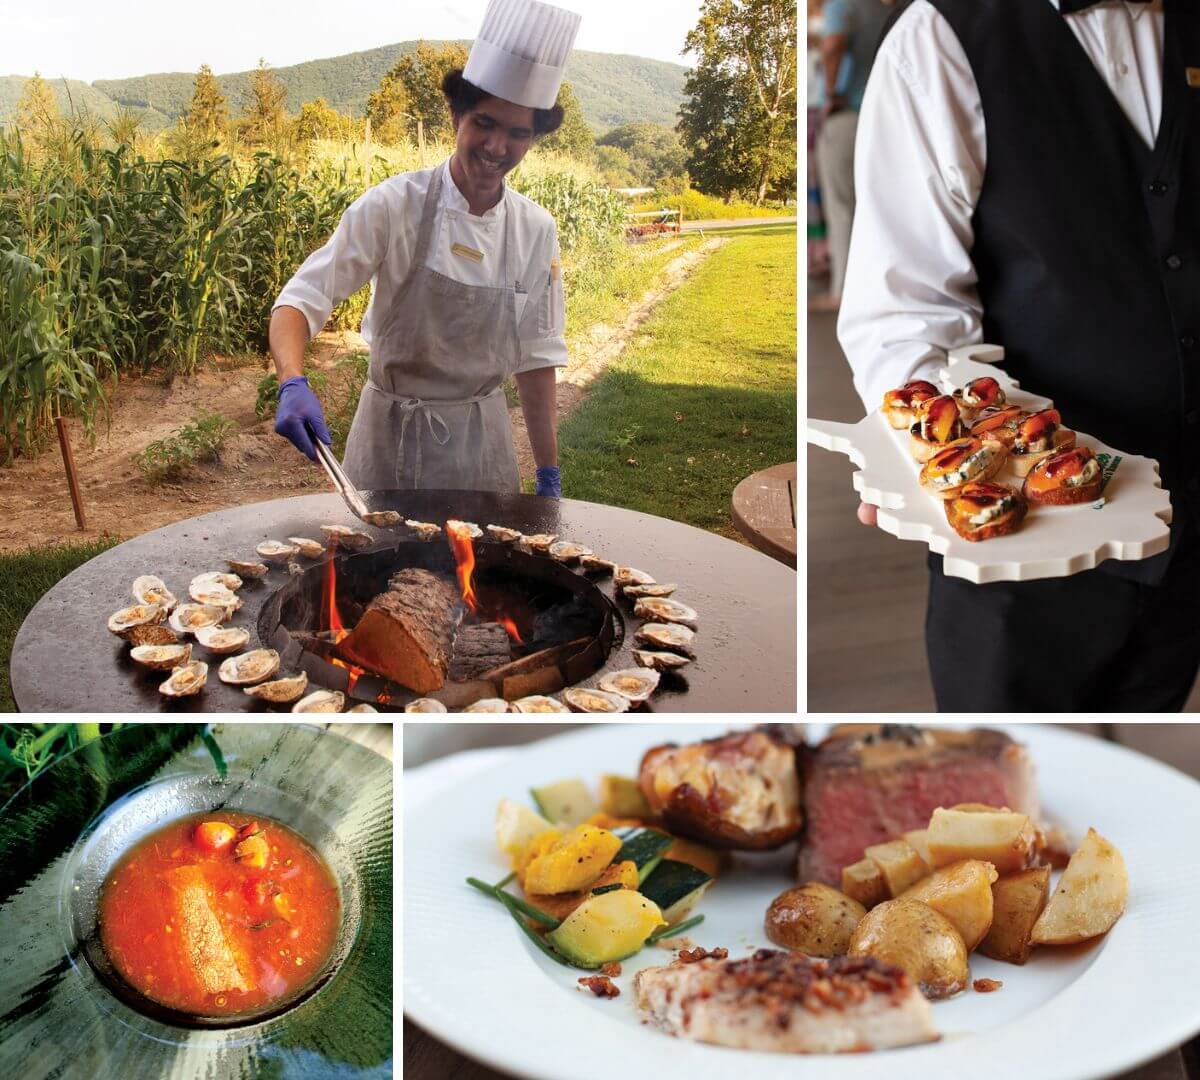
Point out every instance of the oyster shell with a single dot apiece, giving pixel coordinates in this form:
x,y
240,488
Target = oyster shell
x,y
188,618
593,564
294,567
149,589
249,668
276,551
364,707
627,575
672,636
488,705
537,703
659,661
636,684
185,680
425,704
637,591
660,609
321,701
539,543
381,519
344,536
503,535
582,699
161,657
216,577
248,569
222,639
215,596
124,622
310,549
280,691
473,530
565,552
425,530
151,634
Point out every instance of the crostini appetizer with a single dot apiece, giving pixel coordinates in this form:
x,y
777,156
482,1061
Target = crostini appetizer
x,y
999,425
977,395
937,424
981,511
964,460
900,406
1062,479
1038,437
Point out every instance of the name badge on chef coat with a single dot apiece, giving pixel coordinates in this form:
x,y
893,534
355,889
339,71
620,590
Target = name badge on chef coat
x,y
1193,77
467,252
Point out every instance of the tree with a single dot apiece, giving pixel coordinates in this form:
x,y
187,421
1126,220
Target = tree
x,y
654,151
411,92
739,114
208,112
37,113
264,104
574,137
320,120
615,166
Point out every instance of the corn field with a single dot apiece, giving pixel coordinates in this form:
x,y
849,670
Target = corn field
x,y
112,261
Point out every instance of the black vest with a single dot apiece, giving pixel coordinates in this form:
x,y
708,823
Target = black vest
x,y
1087,241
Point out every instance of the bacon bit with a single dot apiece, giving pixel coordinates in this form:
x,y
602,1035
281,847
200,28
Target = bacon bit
x,y
601,985
692,956
986,986
611,970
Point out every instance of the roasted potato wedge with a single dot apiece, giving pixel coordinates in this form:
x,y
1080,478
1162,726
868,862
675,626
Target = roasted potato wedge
x,y
1001,837
814,919
962,892
899,864
1090,897
911,935
918,840
863,882
1018,900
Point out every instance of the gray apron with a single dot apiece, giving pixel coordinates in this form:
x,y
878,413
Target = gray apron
x,y
433,413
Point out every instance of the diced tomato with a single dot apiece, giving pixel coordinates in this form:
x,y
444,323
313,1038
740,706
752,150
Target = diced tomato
x,y
214,835
253,852
257,891
248,830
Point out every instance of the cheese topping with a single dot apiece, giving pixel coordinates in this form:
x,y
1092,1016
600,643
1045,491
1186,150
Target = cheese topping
x,y
988,513
1090,471
971,466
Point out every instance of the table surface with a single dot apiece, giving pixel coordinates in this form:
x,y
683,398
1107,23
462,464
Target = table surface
x,y
65,660
426,1058
764,511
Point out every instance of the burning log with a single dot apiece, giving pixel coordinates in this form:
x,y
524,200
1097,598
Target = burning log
x,y
479,649
538,673
406,634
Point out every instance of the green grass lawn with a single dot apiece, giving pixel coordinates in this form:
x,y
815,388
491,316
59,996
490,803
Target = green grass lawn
x,y
24,578
703,396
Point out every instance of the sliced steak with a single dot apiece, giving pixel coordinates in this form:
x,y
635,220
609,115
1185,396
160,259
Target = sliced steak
x,y
868,784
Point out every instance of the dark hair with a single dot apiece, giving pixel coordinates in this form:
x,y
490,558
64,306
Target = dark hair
x,y
463,96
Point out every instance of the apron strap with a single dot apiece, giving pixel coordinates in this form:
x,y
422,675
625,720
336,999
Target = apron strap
x,y
428,212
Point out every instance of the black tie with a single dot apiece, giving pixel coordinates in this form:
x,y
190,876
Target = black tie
x,y
1070,7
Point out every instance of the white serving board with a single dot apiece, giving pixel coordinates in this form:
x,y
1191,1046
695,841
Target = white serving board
x,y
1129,521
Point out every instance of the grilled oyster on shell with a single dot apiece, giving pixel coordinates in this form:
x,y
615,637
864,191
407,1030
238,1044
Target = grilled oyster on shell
x,y
425,530
216,577
565,552
310,549
488,705
222,639
185,680
593,564
503,535
660,609
248,569
638,591
659,661
425,704
161,657
362,706
636,684
321,701
539,543
627,575
472,530
188,618
280,691
381,519
151,634
276,551
216,596
124,622
537,703
582,699
249,668
149,589
349,538
672,636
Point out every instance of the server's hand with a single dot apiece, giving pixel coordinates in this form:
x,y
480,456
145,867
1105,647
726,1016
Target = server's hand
x,y
868,514
299,410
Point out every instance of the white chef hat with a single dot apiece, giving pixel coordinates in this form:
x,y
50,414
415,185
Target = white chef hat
x,y
521,51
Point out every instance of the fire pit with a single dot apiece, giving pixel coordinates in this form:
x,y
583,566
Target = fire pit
x,y
558,618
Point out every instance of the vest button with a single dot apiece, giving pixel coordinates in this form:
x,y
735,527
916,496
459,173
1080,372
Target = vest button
x,y
1174,262
1187,341
1157,187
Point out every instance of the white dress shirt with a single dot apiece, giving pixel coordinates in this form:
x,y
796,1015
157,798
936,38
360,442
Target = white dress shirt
x,y
376,237
919,162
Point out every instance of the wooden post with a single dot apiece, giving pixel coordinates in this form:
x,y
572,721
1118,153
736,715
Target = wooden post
x,y
64,443
421,139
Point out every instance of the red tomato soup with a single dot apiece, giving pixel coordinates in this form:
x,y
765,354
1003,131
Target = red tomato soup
x,y
219,913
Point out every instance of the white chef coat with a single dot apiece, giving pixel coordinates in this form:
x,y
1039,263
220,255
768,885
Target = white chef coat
x,y
375,239
919,163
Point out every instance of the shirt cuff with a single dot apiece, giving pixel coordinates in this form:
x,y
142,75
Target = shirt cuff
x,y
544,352
315,307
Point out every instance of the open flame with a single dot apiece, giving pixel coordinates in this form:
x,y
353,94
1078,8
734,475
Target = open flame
x,y
464,559
331,621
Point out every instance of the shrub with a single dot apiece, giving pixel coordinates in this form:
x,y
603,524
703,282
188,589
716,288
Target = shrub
x,y
200,440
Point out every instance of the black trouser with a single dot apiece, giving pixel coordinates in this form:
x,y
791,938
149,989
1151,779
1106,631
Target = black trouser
x,y
1088,642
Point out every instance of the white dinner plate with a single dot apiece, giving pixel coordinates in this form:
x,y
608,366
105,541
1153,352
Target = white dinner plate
x,y
474,981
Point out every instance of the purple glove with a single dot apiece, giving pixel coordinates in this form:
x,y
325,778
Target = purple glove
x,y
549,482
298,413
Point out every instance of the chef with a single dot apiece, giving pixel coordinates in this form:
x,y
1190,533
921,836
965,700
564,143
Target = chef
x,y
466,286
1028,174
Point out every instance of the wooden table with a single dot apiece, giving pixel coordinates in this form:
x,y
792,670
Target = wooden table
x,y
425,1058
764,511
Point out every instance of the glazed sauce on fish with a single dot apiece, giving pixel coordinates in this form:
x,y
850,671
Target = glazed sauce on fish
x,y
219,914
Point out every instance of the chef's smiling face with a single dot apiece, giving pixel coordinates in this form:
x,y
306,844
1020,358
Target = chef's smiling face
x,y
490,141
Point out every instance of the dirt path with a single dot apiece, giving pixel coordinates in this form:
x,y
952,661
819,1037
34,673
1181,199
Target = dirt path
x,y
35,507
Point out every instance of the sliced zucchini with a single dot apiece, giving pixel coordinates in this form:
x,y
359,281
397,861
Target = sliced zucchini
x,y
516,826
622,797
606,928
645,847
567,802
676,887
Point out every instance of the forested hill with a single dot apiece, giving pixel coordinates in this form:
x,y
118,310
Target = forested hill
x,y
613,89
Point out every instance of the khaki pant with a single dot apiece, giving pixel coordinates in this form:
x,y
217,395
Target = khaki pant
x,y
835,169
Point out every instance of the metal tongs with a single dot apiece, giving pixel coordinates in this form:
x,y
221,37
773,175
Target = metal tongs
x,y
341,481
